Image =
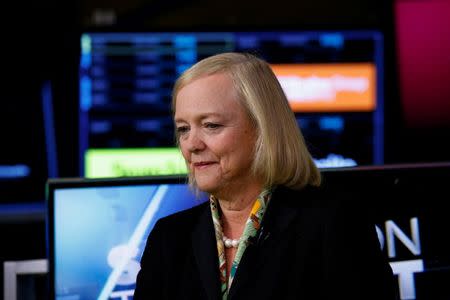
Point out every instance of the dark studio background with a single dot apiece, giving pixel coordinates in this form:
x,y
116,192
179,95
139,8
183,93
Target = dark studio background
x,y
40,45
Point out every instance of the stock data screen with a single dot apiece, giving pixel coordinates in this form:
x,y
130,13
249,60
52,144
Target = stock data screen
x,y
333,81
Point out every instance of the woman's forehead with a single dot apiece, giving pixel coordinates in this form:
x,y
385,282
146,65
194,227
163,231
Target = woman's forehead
x,y
214,94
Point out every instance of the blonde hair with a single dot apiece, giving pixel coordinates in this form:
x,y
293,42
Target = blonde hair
x,y
280,155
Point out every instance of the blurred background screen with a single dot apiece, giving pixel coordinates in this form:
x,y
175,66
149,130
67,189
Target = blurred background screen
x,y
333,81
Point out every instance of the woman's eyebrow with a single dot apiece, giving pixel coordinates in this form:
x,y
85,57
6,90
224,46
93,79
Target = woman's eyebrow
x,y
179,120
211,114
201,116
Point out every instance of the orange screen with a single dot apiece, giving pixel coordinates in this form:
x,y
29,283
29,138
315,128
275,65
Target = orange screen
x,y
328,87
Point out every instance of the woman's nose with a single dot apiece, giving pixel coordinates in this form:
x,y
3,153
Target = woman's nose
x,y
195,142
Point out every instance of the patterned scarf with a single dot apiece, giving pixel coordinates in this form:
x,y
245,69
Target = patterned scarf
x,y
251,227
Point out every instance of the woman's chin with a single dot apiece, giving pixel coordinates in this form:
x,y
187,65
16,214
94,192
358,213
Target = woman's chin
x,y
207,185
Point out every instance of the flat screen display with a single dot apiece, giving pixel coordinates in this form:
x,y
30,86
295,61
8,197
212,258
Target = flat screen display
x,y
332,79
98,232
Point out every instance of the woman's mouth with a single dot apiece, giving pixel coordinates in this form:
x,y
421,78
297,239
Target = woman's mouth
x,y
202,164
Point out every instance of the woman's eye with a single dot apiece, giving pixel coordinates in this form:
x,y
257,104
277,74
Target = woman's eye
x,y
182,129
212,125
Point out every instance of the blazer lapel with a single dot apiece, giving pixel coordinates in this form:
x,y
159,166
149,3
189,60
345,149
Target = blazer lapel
x,y
205,253
281,211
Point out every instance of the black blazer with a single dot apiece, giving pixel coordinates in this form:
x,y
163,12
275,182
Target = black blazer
x,y
309,246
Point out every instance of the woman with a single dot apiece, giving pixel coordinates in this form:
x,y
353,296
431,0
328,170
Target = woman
x,y
267,232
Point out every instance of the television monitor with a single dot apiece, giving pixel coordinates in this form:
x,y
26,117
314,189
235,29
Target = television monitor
x,y
407,203
97,228
333,80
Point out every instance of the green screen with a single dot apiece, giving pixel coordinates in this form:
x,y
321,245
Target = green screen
x,y
102,163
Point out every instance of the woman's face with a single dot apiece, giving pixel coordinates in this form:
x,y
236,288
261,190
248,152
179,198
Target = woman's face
x,y
215,134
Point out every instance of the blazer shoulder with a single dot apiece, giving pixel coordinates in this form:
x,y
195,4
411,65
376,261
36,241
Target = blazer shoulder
x,y
185,218
319,205
308,196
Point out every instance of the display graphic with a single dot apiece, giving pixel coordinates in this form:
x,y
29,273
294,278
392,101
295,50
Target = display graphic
x,y
333,80
408,205
102,163
99,234
328,88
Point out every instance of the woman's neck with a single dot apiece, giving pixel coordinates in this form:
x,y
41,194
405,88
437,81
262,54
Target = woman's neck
x,y
236,208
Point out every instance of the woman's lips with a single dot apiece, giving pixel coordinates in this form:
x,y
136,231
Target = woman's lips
x,y
203,164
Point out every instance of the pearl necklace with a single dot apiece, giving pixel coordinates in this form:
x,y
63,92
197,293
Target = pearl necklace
x,y
230,242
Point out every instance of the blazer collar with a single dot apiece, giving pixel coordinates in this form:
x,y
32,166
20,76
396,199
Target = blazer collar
x,y
205,253
282,209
